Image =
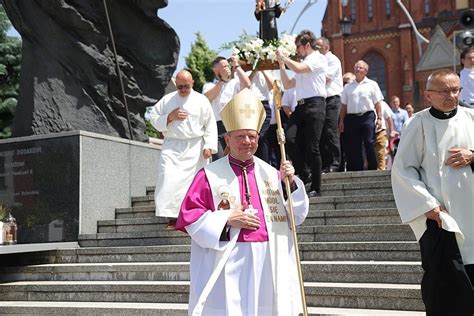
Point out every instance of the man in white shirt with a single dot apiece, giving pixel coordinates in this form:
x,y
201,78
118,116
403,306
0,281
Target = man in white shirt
x,y
222,90
331,152
187,122
467,77
360,109
308,119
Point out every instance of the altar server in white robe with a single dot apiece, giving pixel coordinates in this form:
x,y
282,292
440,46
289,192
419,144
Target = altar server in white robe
x,y
186,119
433,185
242,259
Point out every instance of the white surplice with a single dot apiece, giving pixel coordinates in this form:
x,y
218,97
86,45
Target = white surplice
x,y
421,181
181,152
244,278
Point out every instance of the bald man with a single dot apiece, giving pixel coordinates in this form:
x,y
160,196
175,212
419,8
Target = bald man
x,y
186,120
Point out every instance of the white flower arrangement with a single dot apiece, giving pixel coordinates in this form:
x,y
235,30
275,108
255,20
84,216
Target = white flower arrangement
x,y
254,50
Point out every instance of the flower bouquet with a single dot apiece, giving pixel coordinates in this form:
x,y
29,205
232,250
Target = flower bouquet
x,y
256,54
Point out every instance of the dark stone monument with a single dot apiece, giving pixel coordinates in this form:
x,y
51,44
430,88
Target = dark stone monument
x,y
33,174
68,76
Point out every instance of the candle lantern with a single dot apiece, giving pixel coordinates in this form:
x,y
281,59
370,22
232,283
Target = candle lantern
x,y
9,230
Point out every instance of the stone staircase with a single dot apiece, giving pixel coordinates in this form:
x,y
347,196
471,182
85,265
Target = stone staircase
x,y
357,259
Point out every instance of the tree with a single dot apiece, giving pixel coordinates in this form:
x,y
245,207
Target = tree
x,y
10,60
199,62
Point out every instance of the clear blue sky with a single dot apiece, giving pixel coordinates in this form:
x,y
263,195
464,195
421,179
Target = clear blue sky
x,y
221,21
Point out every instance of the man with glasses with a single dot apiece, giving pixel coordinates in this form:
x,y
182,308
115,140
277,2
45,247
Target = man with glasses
x,y
187,122
308,119
229,80
433,185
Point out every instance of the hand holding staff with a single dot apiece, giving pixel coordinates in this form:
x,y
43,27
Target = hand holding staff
x,y
281,142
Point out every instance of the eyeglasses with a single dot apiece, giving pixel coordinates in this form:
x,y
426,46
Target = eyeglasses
x,y
183,87
447,92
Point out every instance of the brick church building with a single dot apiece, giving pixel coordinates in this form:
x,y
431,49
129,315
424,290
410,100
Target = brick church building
x,y
379,32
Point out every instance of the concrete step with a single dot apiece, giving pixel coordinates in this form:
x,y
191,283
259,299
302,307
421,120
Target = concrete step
x,y
135,212
353,202
352,217
319,203
339,189
313,271
337,233
138,238
309,251
400,297
321,294
341,180
132,225
315,217
359,188
164,253
360,251
356,177
136,271
33,308
318,233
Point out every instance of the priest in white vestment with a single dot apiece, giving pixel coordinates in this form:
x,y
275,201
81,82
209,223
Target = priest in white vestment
x,y
242,258
433,185
186,119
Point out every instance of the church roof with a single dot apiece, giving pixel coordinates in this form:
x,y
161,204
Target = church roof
x,y
440,53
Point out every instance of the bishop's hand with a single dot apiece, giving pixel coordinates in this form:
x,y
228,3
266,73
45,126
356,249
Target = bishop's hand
x,y
240,219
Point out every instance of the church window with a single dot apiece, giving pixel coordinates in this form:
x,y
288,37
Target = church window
x,y
377,70
388,8
426,4
370,9
353,10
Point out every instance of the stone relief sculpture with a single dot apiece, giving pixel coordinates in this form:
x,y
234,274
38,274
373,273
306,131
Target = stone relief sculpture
x,y
68,75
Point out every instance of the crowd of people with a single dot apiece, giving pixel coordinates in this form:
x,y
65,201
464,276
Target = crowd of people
x,y
235,208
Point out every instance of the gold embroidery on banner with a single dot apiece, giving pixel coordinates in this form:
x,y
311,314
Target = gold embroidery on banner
x,y
271,197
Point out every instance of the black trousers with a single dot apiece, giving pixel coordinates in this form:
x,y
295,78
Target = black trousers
x,y
330,149
305,126
263,150
446,286
220,141
360,130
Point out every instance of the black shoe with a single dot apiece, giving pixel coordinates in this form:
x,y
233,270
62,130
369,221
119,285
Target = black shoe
x,y
313,193
334,169
306,179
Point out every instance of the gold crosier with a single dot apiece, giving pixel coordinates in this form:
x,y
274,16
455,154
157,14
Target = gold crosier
x,y
281,142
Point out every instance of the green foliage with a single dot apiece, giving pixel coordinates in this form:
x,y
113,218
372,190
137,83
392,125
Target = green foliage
x,y
10,60
151,131
199,62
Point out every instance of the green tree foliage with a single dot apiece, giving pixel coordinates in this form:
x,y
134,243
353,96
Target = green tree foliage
x,y
10,59
199,62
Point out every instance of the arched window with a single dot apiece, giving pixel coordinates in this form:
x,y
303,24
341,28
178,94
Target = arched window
x,y
377,70
370,9
426,6
388,8
353,10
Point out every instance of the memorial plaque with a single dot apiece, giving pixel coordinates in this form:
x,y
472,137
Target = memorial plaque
x,y
39,182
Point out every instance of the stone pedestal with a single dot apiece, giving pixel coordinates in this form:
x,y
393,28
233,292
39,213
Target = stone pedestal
x,y
59,185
